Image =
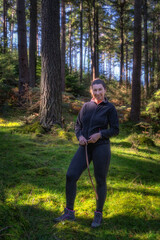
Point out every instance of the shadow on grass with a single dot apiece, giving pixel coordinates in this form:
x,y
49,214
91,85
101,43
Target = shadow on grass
x,y
150,149
126,166
122,144
122,227
33,222
31,166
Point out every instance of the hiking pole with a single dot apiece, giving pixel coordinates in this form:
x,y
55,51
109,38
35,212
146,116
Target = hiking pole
x,y
89,171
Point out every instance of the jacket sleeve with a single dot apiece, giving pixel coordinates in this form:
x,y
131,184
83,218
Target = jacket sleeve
x,y
113,124
79,125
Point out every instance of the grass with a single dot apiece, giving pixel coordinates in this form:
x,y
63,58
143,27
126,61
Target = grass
x,y
32,188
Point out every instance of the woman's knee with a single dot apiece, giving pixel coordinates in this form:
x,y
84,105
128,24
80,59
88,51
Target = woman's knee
x,y
101,181
71,176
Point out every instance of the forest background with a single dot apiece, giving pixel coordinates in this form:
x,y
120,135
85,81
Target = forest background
x,y
50,51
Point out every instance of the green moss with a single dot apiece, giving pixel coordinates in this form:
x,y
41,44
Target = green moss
x,y
32,128
32,188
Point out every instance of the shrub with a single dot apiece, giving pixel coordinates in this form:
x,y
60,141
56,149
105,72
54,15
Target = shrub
x,y
152,111
8,75
74,86
140,139
153,107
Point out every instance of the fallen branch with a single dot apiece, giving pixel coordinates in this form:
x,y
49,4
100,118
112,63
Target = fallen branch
x,y
3,229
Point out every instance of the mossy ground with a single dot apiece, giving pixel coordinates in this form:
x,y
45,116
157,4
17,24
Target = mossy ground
x,y
32,188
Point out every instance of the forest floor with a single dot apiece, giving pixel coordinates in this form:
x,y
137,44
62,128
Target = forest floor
x,y
33,165
32,186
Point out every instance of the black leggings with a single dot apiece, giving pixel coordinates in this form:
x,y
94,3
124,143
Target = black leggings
x,y
100,154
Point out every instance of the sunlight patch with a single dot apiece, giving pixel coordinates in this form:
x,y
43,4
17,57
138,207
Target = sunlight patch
x,y
4,123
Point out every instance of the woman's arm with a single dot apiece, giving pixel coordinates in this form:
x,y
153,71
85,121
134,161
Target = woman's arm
x,y
79,124
113,123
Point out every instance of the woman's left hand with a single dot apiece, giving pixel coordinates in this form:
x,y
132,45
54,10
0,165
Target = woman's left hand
x,y
94,138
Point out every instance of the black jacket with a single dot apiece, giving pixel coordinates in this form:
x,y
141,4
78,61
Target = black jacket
x,y
94,118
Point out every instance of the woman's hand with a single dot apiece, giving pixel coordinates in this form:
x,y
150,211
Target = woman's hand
x,y
82,140
94,138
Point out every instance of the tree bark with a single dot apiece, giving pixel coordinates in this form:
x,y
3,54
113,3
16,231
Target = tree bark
x,y
51,82
136,81
70,41
110,66
153,61
126,63
97,42
146,47
122,41
90,38
81,39
158,54
63,43
33,43
11,31
22,49
94,42
4,26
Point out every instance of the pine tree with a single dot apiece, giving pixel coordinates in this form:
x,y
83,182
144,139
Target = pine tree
x,y
136,81
33,43
22,49
50,104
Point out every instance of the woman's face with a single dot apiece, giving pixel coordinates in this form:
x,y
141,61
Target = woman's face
x,y
98,92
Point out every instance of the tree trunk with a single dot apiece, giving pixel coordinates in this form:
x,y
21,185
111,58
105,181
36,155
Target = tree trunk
x,y
70,41
146,47
11,32
122,42
110,66
51,83
97,42
90,37
126,63
88,57
22,49
136,81
94,42
4,26
81,39
33,42
158,54
75,59
63,43
84,58
153,60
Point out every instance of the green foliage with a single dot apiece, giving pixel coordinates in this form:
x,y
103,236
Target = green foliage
x,y
140,139
8,70
38,69
8,75
153,107
74,86
152,111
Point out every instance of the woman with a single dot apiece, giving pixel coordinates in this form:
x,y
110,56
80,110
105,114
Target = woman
x,y
92,130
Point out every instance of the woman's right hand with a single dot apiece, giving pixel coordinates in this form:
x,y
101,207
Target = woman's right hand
x,y
82,140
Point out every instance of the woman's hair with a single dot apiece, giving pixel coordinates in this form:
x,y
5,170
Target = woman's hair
x,y
98,81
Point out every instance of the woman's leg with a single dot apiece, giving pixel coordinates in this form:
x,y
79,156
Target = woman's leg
x,y
77,166
101,159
